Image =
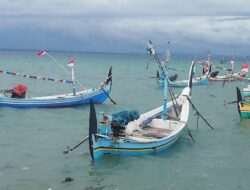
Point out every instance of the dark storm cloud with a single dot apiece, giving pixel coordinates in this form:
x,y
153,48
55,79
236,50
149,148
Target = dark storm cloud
x,y
125,26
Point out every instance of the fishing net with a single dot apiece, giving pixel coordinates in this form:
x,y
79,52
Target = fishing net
x,y
124,117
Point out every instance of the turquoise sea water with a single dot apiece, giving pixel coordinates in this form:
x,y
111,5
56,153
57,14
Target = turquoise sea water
x,y
32,140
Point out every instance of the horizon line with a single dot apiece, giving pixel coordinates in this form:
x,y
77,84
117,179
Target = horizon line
x,y
121,53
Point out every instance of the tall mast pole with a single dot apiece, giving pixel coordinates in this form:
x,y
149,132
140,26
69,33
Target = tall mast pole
x,y
164,112
71,64
73,79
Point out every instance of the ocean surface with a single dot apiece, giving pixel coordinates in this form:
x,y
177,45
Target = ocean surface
x,y
32,140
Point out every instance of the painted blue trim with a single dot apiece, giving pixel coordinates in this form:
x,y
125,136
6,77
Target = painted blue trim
x,y
107,146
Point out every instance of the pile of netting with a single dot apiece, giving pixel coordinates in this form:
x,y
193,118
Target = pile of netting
x,y
122,118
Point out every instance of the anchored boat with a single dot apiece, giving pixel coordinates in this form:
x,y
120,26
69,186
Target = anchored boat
x,y
243,103
163,66
16,97
230,76
128,133
184,83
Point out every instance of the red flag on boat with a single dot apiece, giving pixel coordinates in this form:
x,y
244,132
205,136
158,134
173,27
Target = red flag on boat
x,y
41,53
71,63
244,67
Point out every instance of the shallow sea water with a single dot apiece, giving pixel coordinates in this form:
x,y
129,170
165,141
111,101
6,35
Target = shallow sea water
x,y
32,140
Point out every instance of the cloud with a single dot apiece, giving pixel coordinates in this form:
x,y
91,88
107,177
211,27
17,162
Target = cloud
x,y
125,26
125,8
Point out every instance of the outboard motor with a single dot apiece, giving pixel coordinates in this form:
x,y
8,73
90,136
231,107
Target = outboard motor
x,y
120,120
19,91
118,131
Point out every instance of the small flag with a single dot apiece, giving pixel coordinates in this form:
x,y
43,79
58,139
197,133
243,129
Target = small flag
x,y
244,67
71,63
41,53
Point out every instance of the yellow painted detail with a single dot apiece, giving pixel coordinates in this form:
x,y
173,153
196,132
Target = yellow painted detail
x,y
244,107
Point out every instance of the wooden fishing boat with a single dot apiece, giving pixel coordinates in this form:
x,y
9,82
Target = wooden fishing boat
x,y
128,133
163,66
243,103
229,77
16,98
183,83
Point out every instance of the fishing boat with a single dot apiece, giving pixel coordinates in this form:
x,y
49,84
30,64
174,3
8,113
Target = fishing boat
x,y
243,99
183,83
163,66
129,133
230,76
16,97
243,102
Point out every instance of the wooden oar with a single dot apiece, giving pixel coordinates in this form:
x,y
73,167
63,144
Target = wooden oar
x,y
232,102
71,149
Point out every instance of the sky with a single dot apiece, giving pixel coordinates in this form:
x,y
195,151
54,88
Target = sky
x,y
191,26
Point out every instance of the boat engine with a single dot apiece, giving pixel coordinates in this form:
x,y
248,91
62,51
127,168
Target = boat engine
x,y
19,91
118,130
121,119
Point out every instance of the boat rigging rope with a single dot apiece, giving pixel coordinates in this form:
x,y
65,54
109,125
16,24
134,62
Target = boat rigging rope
x,y
67,71
198,113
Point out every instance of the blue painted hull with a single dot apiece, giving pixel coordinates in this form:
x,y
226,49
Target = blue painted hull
x,y
151,132
98,96
105,146
182,84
